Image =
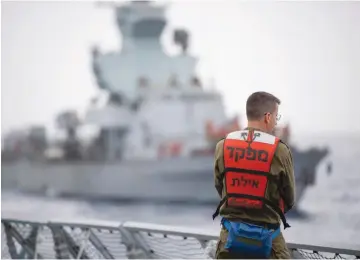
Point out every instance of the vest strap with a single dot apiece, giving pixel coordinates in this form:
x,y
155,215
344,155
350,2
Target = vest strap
x,y
266,201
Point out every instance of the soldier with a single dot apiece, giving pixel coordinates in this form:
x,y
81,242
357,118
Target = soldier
x,y
254,178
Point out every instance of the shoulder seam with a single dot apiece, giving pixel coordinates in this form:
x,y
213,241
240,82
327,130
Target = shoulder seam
x,y
287,146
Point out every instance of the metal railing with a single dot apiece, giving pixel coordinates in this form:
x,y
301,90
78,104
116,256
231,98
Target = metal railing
x,y
22,239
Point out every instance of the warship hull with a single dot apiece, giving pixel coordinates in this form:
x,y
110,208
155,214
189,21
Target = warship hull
x,y
171,180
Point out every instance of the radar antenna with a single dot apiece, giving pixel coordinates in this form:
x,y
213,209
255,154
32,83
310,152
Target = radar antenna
x,y
181,38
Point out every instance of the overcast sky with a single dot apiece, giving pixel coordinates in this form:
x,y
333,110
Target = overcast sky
x,y
307,53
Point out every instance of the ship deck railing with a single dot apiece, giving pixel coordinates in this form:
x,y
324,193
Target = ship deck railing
x,y
22,239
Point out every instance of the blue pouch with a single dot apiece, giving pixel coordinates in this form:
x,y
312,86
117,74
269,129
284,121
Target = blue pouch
x,y
248,239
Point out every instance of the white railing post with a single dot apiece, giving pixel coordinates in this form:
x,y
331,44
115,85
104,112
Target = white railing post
x,y
136,247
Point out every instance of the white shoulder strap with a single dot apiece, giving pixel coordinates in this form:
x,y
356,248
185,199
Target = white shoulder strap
x,y
260,137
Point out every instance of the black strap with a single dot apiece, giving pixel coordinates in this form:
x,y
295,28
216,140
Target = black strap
x,y
217,211
266,201
255,172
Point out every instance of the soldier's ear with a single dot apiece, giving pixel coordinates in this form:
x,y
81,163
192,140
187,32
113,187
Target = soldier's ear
x,y
267,117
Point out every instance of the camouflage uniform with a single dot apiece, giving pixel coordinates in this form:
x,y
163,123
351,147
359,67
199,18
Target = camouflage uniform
x,y
282,167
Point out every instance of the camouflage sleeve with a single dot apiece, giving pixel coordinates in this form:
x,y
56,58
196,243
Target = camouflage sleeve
x,y
287,177
219,167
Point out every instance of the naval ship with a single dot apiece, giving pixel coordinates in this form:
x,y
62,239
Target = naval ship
x,y
155,125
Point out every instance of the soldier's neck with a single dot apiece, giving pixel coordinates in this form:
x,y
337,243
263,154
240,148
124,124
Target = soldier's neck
x,y
257,126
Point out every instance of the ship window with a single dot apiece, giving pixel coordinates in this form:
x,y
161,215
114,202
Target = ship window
x,y
120,132
148,28
195,82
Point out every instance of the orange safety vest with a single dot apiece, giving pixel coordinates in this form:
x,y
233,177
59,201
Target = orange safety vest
x,y
247,162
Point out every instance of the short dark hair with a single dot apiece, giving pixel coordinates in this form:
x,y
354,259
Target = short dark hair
x,y
259,103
